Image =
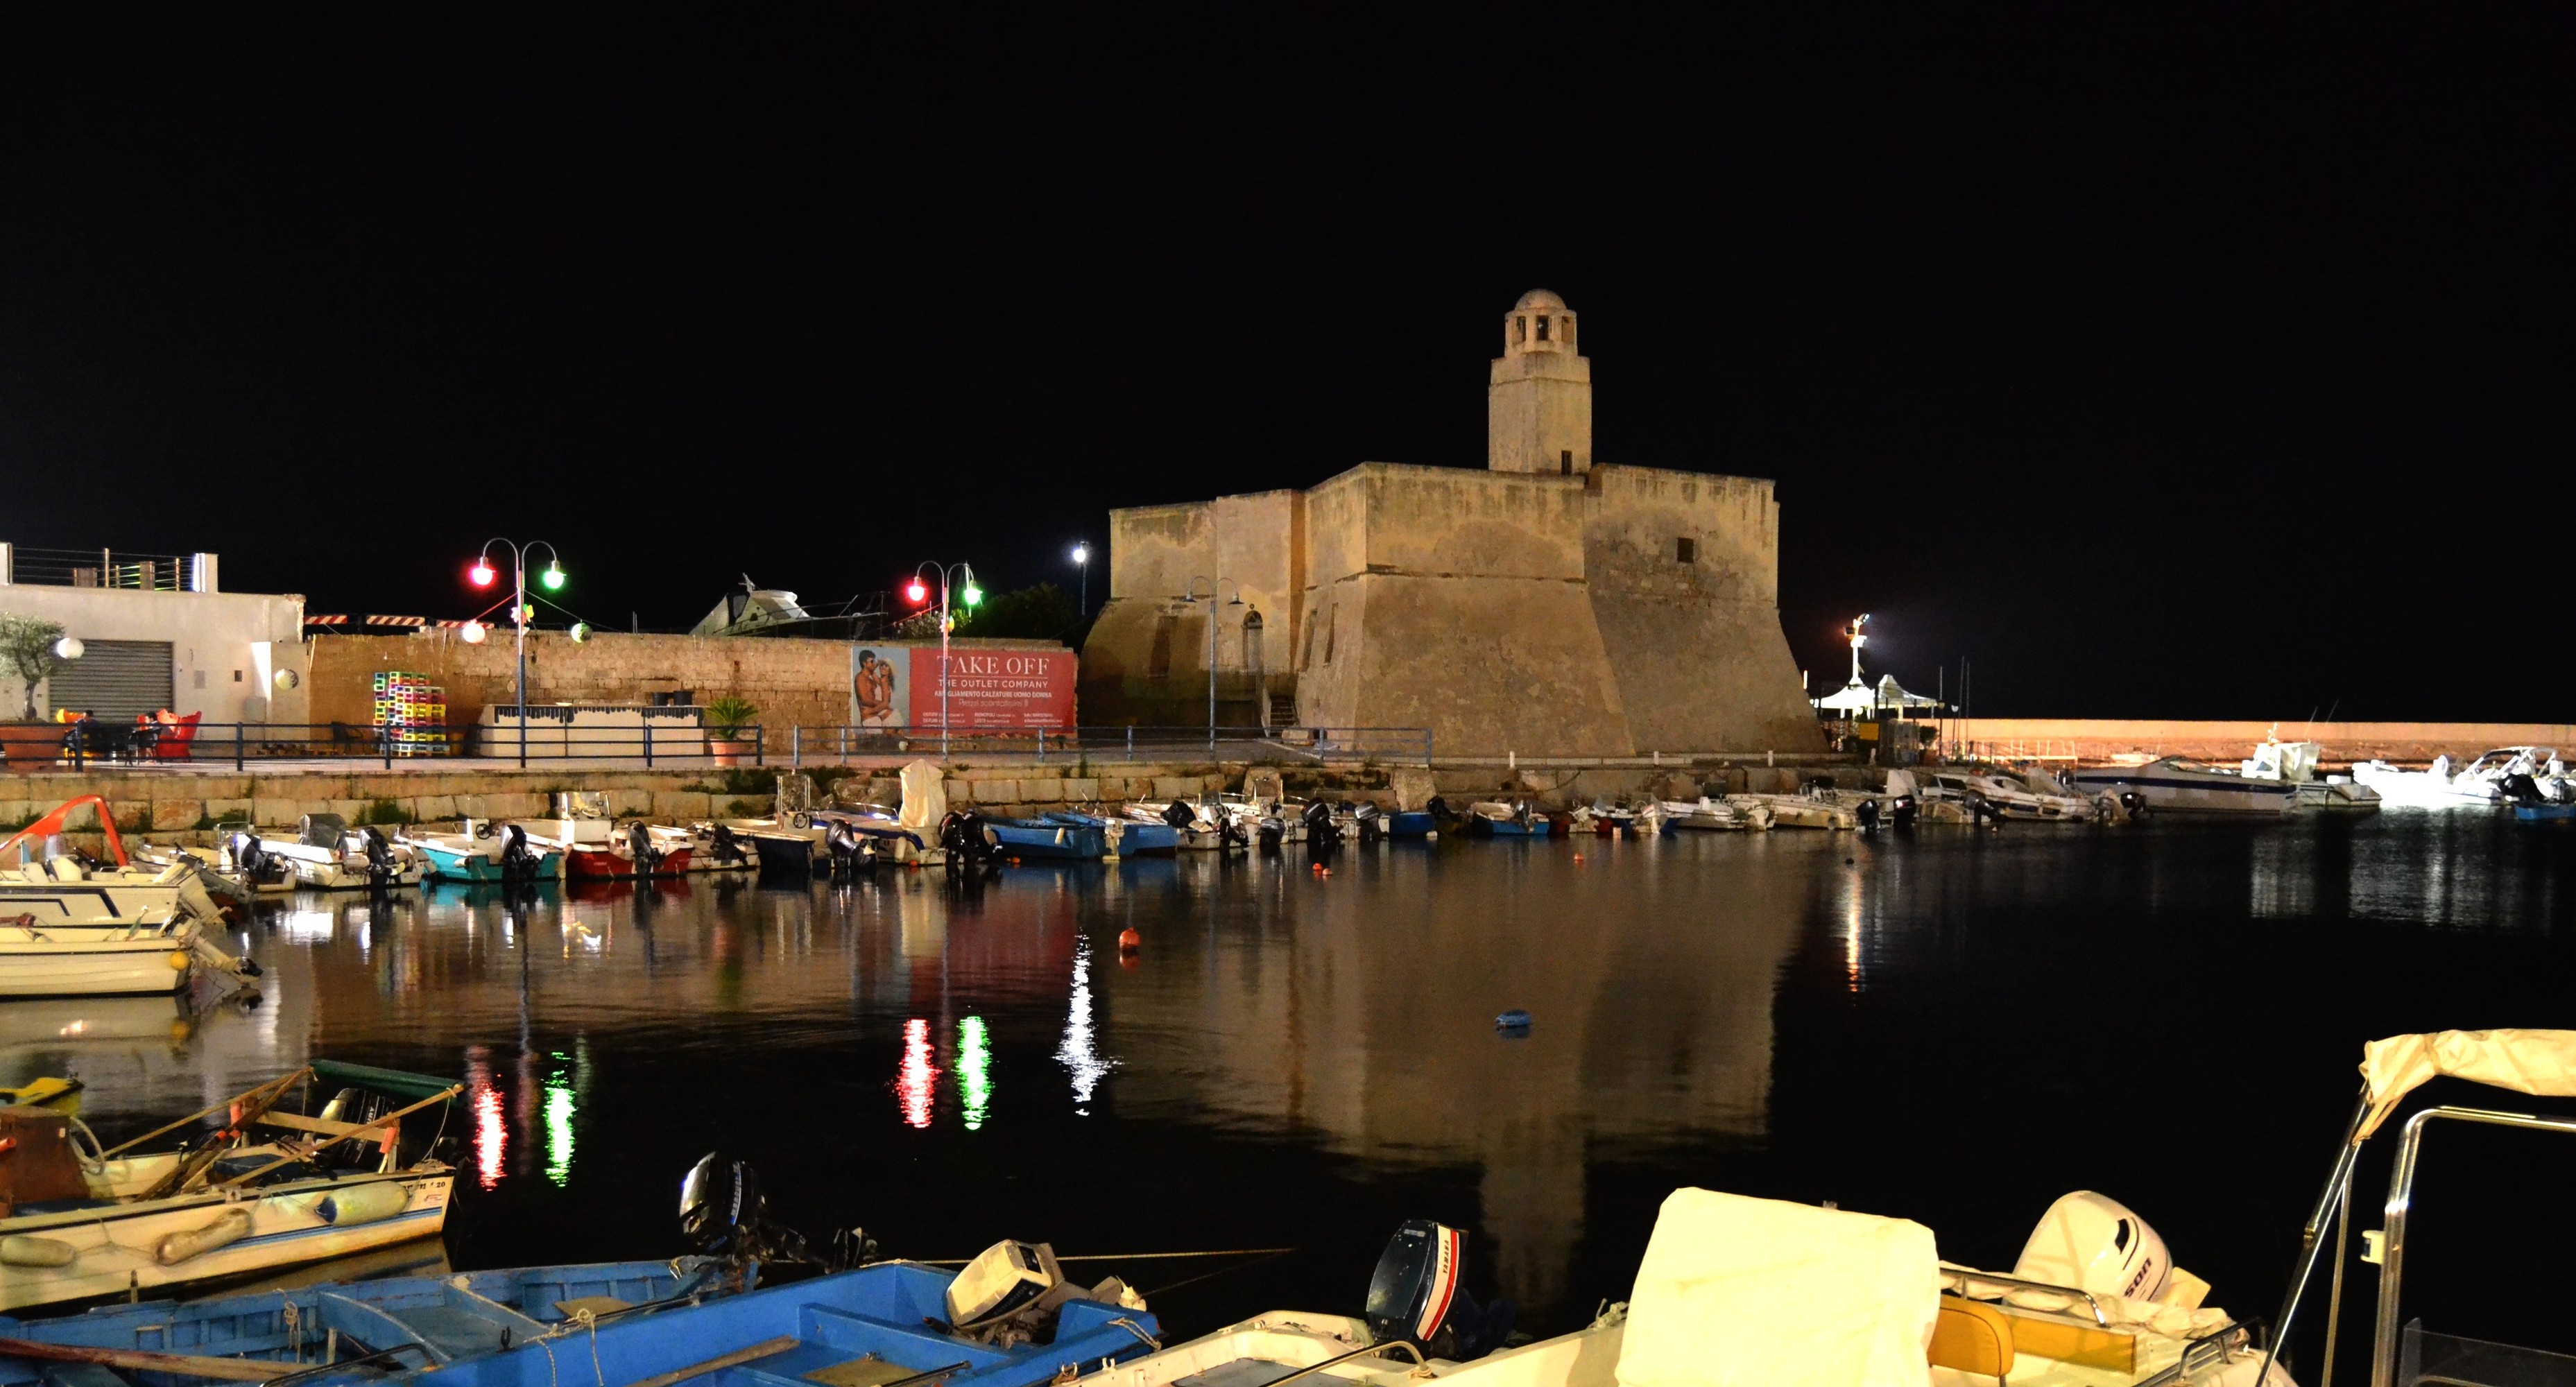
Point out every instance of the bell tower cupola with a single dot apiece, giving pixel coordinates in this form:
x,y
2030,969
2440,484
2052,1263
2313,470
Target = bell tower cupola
x,y
1538,406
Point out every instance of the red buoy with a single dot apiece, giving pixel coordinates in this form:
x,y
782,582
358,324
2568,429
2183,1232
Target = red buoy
x,y
1129,941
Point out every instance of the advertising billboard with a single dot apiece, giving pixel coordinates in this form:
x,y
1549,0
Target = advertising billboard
x,y
995,690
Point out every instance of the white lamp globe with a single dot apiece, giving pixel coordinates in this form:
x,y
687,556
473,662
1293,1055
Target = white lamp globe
x,y
472,633
69,647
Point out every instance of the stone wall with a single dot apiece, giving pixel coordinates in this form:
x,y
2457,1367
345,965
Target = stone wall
x,y
793,682
2094,740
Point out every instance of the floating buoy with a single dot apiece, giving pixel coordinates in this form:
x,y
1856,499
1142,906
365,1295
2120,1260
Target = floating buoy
x,y
1129,941
179,961
1513,1022
1578,857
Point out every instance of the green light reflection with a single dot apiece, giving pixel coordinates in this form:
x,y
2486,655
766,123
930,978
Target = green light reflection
x,y
559,1113
974,1071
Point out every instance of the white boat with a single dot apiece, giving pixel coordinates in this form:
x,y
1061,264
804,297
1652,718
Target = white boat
x,y
2498,768
1732,814
2295,764
1776,1293
2012,798
1808,811
2431,788
2180,785
55,886
326,855
91,1224
1203,826
93,961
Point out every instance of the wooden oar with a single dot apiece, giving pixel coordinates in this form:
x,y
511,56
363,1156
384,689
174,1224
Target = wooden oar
x,y
186,1365
762,1349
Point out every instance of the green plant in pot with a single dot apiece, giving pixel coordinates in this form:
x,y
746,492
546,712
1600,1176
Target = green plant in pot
x,y
729,735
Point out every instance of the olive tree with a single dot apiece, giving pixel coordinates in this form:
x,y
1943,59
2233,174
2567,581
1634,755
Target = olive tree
x,y
27,648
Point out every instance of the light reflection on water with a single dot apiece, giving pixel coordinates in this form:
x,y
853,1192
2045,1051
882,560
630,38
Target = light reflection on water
x,y
1293,1059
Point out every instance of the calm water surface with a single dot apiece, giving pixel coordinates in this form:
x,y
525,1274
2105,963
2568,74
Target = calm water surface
x,y
1950,1026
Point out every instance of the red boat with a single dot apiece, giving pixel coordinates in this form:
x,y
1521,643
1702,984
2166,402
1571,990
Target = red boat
x,y
618,864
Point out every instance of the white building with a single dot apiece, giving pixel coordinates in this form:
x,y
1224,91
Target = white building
x,y
156,631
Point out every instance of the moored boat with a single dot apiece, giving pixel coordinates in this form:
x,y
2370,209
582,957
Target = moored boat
x,y
89,1223
1047,840
326,855
56,886
2180,785
628,854
2434,787
1495,819
1124,837
1715,815
486,851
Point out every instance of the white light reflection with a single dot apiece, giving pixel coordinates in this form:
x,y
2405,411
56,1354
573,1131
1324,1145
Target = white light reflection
x,y
1080,1052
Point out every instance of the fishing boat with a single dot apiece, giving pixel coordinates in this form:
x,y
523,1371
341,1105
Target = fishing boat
x,y
1729,815
1495,819
1047,840
1202,827
2180,785
631,853
353,1331
326,855
1412,823
57,886
484,851
87,961
271,1189
1125,837
2010,798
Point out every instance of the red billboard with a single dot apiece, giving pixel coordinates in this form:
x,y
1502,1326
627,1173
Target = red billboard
x,y
997,689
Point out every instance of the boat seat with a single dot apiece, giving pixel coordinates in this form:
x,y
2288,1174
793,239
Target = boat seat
x,y
1972,1338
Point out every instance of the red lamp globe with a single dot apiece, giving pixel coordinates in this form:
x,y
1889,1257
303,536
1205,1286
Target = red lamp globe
x,y
481,573
916,592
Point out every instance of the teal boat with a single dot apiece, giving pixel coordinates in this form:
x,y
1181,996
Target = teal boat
x,y
487,852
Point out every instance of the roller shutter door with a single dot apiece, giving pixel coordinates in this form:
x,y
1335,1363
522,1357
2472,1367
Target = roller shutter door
x,y
114,680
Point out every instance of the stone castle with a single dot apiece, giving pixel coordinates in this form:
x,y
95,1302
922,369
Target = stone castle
x,y
1547,605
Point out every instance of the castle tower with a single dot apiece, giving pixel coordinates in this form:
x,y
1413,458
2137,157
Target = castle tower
x,y
1538,408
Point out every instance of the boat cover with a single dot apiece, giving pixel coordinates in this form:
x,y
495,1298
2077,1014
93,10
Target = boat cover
x,y
925,801
1764,1293
2537,1062
397,1083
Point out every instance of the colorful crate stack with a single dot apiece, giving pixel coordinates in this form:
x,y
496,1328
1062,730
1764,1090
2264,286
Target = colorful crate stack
x,y
415,709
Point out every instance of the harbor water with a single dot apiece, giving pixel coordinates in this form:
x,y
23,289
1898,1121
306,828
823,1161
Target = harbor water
x,y
1953,1026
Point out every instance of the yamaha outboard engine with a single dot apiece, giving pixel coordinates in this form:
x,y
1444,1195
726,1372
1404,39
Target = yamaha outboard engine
x,y
1901,814
1415,1297
518,861
1322,834
380,859
1372,824
1271,833
723,1215
962,834
1868,815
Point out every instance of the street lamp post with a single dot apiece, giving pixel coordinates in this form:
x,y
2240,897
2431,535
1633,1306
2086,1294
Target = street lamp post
x,y
919,591
553,578
1216,587
1082,561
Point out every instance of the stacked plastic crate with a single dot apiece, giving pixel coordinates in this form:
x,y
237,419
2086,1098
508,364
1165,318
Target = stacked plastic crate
x,y
414,710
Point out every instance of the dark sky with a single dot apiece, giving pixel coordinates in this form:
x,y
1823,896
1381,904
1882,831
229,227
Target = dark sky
x,y
2205,364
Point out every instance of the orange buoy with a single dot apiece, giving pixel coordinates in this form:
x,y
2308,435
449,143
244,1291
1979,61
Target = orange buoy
x,y
1578,857
1129,941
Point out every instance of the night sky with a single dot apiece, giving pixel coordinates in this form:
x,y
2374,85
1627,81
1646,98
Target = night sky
x,y
2191,365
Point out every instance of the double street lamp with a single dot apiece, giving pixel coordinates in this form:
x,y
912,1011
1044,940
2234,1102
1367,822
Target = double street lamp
x,y
918,592
1191,594
482,574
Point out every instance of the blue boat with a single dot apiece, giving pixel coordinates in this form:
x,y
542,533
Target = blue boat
x,y
476,857
1490,819
882,1324
372,1329
2543,813
1046,840
1410,823
1134,838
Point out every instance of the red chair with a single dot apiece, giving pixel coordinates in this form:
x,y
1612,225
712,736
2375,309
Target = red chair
x,y
177,734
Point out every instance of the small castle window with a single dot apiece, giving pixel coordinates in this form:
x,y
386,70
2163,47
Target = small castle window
x,y
1567,336
1542,329
1686,551
1520,329
1565,463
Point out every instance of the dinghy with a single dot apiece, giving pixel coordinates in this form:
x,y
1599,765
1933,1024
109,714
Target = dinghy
x,y
485,851
326,855
57,886
1495,819
1728,815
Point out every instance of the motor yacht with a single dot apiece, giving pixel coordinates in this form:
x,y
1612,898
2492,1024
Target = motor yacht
x,y
2180,785
2434,787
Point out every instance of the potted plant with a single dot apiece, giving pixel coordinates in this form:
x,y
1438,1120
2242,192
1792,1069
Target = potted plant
x,y
727,720
28,652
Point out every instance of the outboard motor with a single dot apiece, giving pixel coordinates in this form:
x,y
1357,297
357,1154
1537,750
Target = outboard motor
x,y
258,865
850,852
1322,834
1415,1297
724,847
2094,1243
1230,836
2520,788
1272,833
1372,825
639,841
723,1215
1868,815
1179,815
962,834
518,861
1901,814
381,867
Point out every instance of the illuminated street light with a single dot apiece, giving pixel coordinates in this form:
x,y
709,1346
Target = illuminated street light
x,y
1082,560
482,574
971,594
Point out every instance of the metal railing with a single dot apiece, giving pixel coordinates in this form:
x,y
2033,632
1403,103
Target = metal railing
x,y
95,743
106,568
1313,745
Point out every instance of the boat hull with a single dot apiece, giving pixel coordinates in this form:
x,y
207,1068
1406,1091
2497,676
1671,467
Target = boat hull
x,y
600,864
2167,790
66,966
454,864
113,1246
1038,841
